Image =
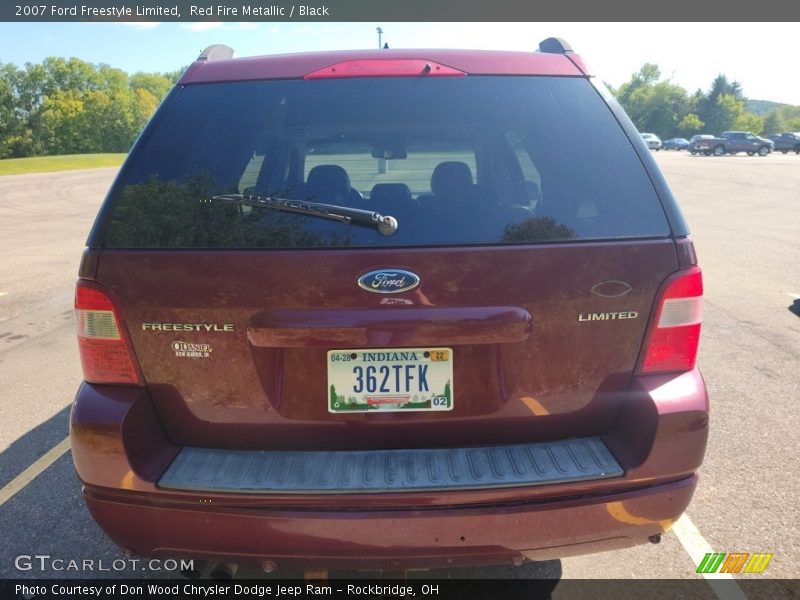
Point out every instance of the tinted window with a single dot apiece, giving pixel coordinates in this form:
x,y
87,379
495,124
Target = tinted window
x,y
420,157
467,160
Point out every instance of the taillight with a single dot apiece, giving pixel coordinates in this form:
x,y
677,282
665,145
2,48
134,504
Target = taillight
x,y
674,334
105,354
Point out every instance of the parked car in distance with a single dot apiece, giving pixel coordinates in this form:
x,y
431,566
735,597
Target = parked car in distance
x,y
676,144
786,142
693,141
329,318
733,142
652,140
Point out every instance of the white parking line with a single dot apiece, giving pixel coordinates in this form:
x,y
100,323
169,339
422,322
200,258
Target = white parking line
x,y
723,584
795,296
32,472
3,293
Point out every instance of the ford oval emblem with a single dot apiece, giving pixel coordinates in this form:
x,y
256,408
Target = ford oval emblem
x,y
388,281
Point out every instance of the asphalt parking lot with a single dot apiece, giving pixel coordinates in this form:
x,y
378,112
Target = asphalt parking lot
x,y
744,213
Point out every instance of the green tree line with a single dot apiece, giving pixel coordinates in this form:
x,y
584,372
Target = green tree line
x,y
659,106
70,106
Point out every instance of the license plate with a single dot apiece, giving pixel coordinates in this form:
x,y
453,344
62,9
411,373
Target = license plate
x,y
390,380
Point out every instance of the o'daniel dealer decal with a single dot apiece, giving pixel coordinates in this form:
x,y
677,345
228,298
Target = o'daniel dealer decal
x,y
190,350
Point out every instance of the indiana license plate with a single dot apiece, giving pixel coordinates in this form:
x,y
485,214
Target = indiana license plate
x,y
390,380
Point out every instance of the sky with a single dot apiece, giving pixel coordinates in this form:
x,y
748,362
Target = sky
x,y
613,50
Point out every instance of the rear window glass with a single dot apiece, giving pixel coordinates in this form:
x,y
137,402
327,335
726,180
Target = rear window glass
x,y
462,160
365,170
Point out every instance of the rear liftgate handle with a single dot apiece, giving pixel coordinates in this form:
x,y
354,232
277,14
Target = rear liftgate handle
x,y
374,328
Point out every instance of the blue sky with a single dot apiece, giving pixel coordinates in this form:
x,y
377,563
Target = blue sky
x,y
614,50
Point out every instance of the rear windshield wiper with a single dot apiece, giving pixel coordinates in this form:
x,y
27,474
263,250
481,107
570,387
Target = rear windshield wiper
x,y
386,224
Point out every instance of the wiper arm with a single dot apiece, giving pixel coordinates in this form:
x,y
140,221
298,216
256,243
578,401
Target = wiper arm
x,y
386,224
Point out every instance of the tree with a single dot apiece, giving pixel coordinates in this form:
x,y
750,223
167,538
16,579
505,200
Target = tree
x,y
8,118
156,84
690,125
729,114
647,75
782,119
656,106
144,104
723,106
721,86
69,105
61,128
746,121
667,109
735,90
16,137
110,115
774,122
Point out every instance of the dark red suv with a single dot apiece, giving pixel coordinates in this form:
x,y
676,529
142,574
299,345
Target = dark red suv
x,y
394,308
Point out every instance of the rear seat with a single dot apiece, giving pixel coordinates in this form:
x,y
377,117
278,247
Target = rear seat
x,y
331,184
451,186
390,198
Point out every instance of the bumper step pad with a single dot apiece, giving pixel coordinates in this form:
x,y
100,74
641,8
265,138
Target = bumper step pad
x,y
377,471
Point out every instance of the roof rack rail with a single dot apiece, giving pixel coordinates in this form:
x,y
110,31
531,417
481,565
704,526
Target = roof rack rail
x,y
554,46
216,52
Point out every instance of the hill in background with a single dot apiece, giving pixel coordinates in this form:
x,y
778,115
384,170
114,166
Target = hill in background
x,y
762,107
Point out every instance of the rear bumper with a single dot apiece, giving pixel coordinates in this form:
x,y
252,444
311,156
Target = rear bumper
x,y
383,539
121,451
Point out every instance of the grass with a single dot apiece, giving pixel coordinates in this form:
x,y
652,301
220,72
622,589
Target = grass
x,y
67,162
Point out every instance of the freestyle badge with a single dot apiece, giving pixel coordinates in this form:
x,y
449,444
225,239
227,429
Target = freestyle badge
x,y
225,327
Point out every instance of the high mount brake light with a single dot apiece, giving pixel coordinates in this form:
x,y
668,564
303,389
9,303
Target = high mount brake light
x,y
674,334
389,67
106,355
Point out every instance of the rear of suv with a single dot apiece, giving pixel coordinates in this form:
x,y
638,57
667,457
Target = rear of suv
x,y
388,309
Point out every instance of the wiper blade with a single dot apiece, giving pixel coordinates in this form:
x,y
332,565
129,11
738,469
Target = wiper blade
x,y
386,224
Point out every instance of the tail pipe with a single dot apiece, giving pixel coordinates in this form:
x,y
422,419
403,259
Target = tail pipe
x,y
223,571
